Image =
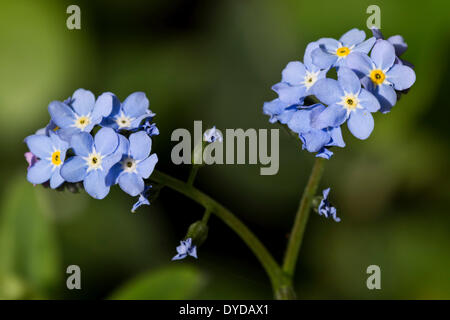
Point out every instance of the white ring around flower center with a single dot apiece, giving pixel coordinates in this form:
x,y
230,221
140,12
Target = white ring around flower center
x,y
310,79
123,121
94,161
129,165
81,122
350,102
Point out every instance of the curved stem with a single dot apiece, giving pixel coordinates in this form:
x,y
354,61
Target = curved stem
x,y
268,262
301,218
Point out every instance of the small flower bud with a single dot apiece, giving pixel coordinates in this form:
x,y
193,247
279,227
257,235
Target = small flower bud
x,y
198,232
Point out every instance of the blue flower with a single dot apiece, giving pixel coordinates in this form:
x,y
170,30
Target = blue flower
x,y
298,78
136,163
325,207
399,44
279,110
346,100
212,135
143,199
81,115
313,139
381,75
150,128
186,248
51,151
332,52
92,161
129,114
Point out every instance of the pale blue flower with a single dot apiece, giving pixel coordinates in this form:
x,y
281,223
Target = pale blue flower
x,y
212,135
325,208
184,249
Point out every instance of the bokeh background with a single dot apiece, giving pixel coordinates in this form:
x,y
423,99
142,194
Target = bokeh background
x,y
216,61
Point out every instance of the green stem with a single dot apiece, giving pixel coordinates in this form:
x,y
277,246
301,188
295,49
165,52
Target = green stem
x,y
193,174
301,218
268,262
206,216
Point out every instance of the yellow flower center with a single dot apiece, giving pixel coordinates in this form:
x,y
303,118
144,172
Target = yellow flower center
x,y
56,158
342,51
350,102
377,76
82,122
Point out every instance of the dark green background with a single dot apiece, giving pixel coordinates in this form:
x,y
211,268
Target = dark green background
x,y
215,61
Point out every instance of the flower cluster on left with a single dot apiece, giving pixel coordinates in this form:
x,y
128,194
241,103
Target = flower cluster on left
x,y
94,144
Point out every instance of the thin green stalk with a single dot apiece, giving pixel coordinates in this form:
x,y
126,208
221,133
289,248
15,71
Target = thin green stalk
x,y
268,262
301,218
193,174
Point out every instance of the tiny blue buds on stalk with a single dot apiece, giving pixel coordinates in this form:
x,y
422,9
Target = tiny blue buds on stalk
x,y
185,249
325,208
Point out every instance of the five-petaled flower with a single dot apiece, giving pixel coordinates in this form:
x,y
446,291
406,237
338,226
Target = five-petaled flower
x,y
81,114
51,152
129,114
346,100
325,208
332,52
92,161
135,165
298,78
184,249
381,75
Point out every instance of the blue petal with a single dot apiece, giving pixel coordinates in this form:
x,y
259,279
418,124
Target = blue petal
x,y
325,193
315,139
352,37
349,81
333,116
131,183
307,58
387,97
135,104
324,153
383,55
289,94
329,44
68,132
103,106
113,174
110,160
360,123
322,58
74,169
145,167
94,184
41,146
193,252
83,102
179,257
328,91
294,73
301,120
285,116
402,77
56,180
82,144
368,101
377,33
365,46
359,63
106,141
336,137
274,108
61,114
399,44
40,172
140,145
57,142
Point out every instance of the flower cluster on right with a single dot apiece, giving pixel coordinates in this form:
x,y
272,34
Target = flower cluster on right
x,y
365,84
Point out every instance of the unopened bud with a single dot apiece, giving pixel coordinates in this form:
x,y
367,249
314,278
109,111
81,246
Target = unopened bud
x,y
198,232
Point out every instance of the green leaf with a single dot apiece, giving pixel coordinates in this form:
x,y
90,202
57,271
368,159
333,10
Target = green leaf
x,y
169,283
29,261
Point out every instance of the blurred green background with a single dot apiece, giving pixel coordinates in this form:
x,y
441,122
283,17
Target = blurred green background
x,y
215,61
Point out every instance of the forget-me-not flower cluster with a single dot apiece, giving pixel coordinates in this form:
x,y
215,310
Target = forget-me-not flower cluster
x,y
95,143
364,85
